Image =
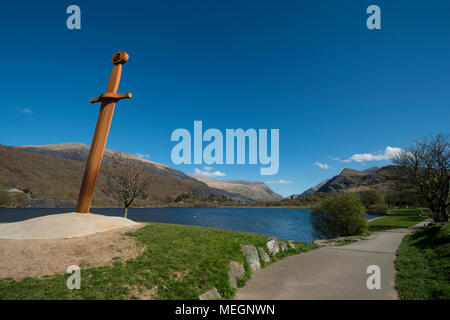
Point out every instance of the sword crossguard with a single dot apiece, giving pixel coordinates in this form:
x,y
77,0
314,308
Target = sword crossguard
x,y
111,97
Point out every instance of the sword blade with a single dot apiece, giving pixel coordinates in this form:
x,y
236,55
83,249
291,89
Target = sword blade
x,y
98,144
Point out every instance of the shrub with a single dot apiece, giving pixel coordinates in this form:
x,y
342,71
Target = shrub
x,y
339,216
11,199
4,199
379,208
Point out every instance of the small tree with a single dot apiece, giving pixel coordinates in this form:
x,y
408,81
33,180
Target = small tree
x,y
374,201
126,179
371,198
339,215
427,166
379,208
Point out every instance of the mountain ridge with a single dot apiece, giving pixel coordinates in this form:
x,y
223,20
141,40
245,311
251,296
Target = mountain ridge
x,y
382,178
170,183
255,190
315,188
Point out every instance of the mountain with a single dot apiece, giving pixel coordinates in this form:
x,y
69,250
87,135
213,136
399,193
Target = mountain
x,y
68,160
386,179
49,179
315,188
80,152
53,173
254,190
373,169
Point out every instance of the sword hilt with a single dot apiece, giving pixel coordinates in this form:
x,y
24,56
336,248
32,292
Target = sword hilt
x,y
120,57
111,97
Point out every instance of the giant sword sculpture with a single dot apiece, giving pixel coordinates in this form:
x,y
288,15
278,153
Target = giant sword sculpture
x,y
108,100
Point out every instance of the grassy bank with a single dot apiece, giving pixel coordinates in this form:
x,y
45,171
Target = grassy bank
x,y
398,218
423,261
179,262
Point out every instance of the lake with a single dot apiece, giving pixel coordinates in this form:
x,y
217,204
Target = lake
x,y
287,224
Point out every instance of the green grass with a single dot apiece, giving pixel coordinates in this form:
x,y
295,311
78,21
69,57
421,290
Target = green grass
x,y
398,218
423,264
200,255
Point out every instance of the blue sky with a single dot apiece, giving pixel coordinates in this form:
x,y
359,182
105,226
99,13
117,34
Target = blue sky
x,y
309,68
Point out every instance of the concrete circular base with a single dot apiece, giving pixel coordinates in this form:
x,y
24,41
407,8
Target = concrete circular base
x,y
66,225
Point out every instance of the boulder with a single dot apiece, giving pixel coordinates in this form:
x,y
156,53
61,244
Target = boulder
x,y
330,242
252,256
320,242
291,244
283,246
236,271
212,294
273,246
264,256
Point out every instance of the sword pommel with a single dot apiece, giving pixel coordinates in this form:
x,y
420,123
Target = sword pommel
x,y
120,57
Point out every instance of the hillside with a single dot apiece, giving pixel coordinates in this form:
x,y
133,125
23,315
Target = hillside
x,y
169,183
172,182
386,179
315,188
80,152
53,174
372,169
48,178
253,190
56,178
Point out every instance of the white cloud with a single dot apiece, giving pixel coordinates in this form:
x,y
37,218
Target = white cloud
x,y
209,173
322,165
281,181
26,111
207,168
388,154
142,155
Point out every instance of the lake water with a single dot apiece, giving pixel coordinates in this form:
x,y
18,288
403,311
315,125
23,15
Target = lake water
x,y
287,224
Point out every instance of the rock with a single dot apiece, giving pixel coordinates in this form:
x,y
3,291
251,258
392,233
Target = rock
x,y
212,294
237,270
325,242
283,246
319,242
252,256
330,242
273,246
264,256
291,244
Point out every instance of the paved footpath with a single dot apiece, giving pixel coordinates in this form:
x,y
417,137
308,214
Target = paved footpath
x,y
335,273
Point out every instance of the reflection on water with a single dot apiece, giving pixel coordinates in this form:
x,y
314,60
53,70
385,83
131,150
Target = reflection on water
x,y
287,224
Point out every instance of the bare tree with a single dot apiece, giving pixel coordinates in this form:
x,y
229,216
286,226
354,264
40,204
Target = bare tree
x,y
427,166
126,179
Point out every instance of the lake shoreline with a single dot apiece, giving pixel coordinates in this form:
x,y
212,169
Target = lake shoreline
x,y
284,223
288,224
163,206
